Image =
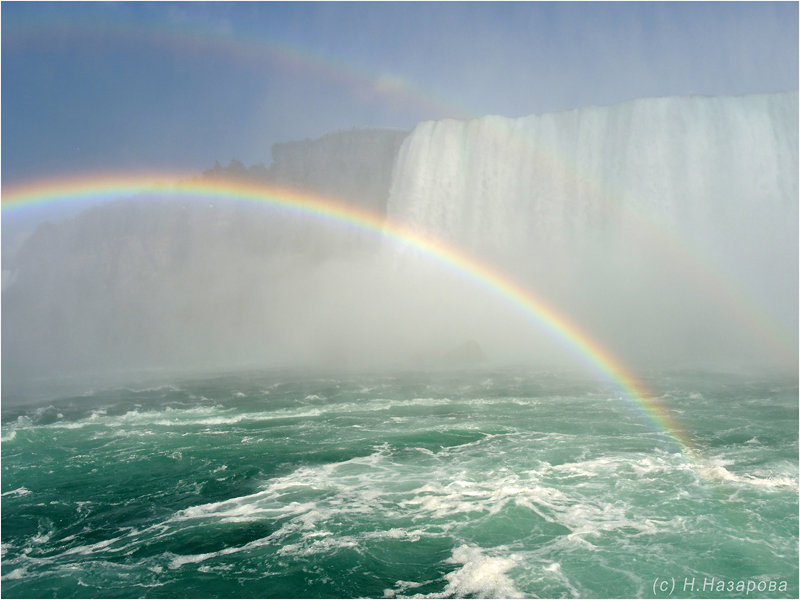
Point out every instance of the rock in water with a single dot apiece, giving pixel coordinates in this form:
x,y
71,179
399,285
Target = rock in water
x,y
466,354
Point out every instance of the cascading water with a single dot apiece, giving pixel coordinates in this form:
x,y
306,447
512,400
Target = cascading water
x,y
668,224
663,228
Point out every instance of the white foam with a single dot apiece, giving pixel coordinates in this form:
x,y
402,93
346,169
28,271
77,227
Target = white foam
x,y
718,471
21,491
554,572
480,575
10,432
216,415
179,560
401,586
42,537
90,548
314,501
244,417
655,465
243,508
319,546
19,573
168,417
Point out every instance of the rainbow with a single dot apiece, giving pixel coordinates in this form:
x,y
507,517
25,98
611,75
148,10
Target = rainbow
x,y
694,264
332,210
246,51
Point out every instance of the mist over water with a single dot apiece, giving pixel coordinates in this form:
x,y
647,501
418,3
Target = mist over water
x,y
665,226
209,397
456,345
665,229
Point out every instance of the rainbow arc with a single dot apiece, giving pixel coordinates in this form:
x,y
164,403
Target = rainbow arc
x,y
335,211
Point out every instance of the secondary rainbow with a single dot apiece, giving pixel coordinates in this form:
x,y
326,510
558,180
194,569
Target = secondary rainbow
x,y
334,210
697,267
243,51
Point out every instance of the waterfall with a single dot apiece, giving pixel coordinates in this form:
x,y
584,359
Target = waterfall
x,y
657,222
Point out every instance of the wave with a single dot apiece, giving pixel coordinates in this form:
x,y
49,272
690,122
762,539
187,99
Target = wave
x,y
480,575
19,573
320,507
216,415
22,491
179,560
720,473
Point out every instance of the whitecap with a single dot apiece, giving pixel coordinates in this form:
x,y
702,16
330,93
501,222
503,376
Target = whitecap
x,y
720,472
480,575
19,573
179,560
326,545
21,491
401,586
90,548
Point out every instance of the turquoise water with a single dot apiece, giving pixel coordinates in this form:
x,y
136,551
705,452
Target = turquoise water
x,y
452,484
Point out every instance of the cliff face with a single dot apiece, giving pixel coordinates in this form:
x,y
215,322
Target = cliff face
x,y
696,164
663,227
355,165
158,281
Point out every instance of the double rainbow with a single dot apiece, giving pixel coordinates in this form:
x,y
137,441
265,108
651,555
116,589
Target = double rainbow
x,y
331,210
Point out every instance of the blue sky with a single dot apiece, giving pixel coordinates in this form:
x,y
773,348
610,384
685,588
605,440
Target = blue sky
x,y
90,87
